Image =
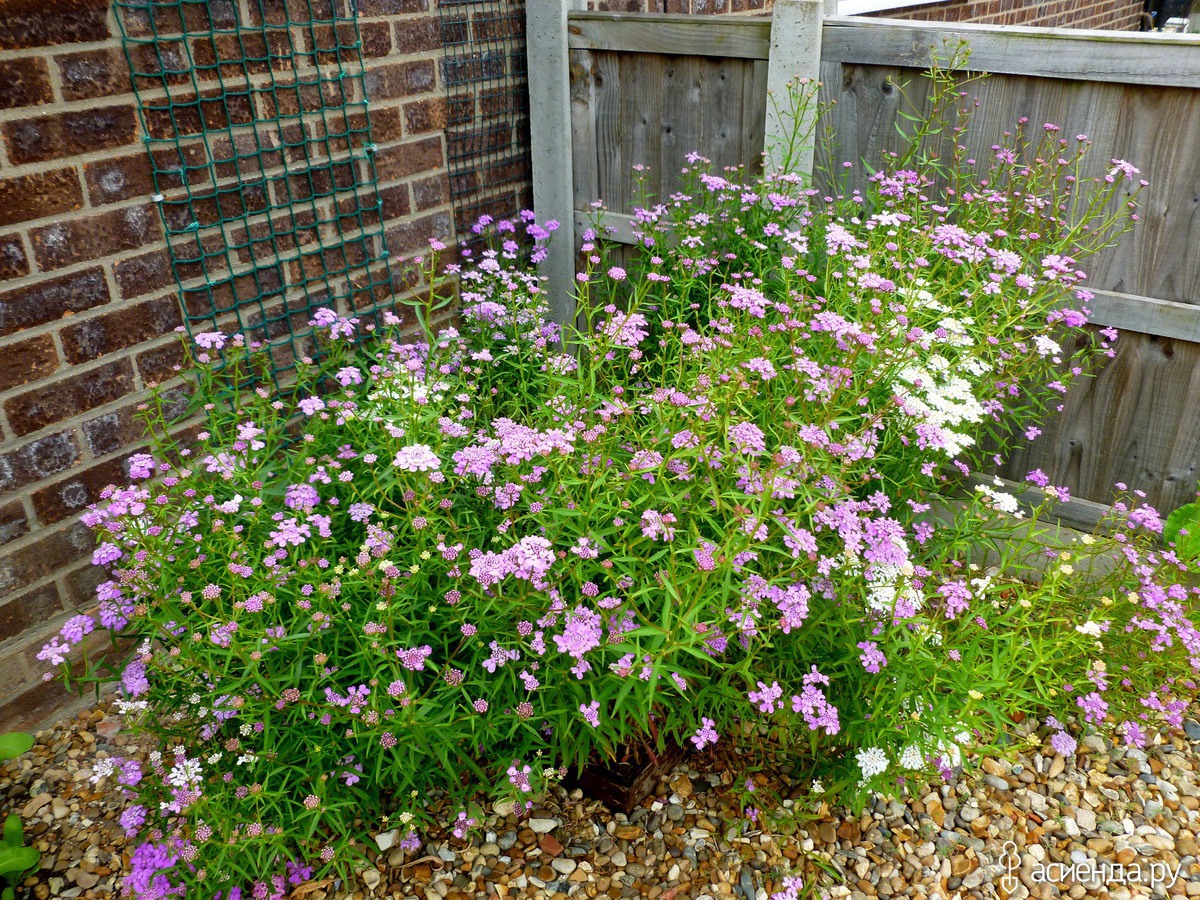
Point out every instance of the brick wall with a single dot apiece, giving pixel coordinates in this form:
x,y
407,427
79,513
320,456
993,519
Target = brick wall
x,y
88,303
1110,15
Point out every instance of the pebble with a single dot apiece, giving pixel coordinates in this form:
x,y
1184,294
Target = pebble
x,y
1104,804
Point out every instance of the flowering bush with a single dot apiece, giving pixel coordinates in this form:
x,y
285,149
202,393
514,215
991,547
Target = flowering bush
x,y
715,513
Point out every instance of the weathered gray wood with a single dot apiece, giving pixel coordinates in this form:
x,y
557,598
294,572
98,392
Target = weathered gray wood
x,y
586,186
728,37
793,69
550,145
1146,315
1107,56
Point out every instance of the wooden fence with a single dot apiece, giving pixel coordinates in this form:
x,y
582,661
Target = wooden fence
x,y
614,90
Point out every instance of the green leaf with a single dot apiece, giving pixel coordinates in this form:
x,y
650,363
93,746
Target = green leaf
x,y
15,860
14,833
14,743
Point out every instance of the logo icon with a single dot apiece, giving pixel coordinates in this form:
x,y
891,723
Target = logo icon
x,y
1012,863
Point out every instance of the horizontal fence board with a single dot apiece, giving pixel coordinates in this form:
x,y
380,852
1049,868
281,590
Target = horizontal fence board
x,y
1146,315
1076,54
1135,423
728,37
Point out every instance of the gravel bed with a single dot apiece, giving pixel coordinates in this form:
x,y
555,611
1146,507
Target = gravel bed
x,y
1113,819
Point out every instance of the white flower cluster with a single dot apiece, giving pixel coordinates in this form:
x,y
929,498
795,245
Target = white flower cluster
x,y
942,400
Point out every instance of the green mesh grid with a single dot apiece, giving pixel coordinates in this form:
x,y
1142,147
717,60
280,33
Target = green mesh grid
x,y
484,69
254,114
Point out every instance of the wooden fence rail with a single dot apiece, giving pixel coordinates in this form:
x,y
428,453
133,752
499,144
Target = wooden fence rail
x,y
648,89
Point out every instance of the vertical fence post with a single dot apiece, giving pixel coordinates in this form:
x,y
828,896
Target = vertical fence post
x,y
795,54
550,133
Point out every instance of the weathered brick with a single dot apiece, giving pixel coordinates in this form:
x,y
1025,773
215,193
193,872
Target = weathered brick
x,y
395,200
26,361
90,74
400,79
139,275
13,261
118,178
39,194
38,460
29,609
391,7
51,299
14,522
65,498
69,133
79,585
41,408
431,192
403,160
52,551
34,701
109,432
417,35
414,235
24,82
119,329
161,364
43,23
424,116
104,234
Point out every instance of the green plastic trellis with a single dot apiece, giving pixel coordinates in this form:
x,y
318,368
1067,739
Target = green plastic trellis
x,y
255,116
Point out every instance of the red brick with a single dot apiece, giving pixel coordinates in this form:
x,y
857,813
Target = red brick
x,y
90,74
109,432
140,275
38,460
69,397
118,178
34,701
52,551
28,610
395,202
400,80
27,361
424,116
13,261
14,523
119,329
402,160
414,235
42,23
418,35
51,299
431,192
161,364
69,134
77,240
39,194
24,82
65,498
391,7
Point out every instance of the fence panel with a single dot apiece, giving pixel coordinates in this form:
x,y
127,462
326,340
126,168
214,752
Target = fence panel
x,y
646,90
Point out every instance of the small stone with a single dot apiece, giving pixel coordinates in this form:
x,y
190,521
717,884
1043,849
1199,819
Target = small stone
x,y
618,859
1057,765
504,808
826,832
1192,729
489,849
1085,819
34,806
969,814
371,878
386,839
550,845
628,832
58,808
542,826
563,866
507,840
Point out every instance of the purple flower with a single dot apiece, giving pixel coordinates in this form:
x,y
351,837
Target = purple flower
x,y
106,554
134,680
210,340
871,657
583,632
416,458
310,406
766,698
748,438
1063,743
705,735
141,465
76,627
591,713
133,819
